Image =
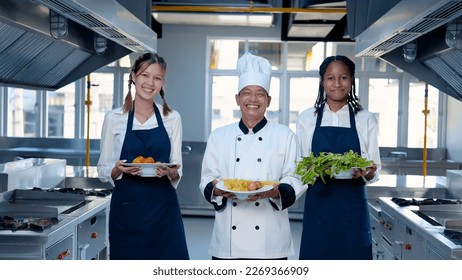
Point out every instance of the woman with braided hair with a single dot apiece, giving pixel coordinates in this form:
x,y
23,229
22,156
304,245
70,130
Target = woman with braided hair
x,y
145,220
336,216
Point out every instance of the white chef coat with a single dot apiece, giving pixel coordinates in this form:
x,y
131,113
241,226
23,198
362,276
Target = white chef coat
x,y
113,135
366,126
251,229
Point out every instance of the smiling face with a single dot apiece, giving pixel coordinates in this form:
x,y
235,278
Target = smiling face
x,y
148,81
337,81
253,101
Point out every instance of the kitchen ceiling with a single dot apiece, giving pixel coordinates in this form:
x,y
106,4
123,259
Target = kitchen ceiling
x,y
308,20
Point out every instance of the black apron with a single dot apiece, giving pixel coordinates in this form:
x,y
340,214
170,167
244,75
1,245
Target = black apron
x,y
336,223
145,221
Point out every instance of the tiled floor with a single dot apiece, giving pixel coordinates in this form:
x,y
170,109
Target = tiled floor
x,y
199,231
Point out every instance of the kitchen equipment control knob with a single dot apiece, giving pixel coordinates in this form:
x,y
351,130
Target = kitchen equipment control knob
x,y
64,254
407,247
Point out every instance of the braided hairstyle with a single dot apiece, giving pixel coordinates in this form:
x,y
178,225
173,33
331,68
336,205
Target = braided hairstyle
x,y
141,63
352,98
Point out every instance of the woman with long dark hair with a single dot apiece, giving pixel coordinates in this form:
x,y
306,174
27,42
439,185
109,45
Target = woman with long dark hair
x,y
336,216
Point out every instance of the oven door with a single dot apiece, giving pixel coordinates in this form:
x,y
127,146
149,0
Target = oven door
x,y
92,236
62,250
411,245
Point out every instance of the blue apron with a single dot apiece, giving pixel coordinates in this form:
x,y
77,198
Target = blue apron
x,y
145,221
336,223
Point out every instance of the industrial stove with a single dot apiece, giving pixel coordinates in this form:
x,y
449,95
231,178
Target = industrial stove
x,y
63,223
416,228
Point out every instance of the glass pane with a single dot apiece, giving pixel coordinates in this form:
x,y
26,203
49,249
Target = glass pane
x,y
416,131
383,102
303,56
269,50
224,88
101,95
224,54
22,112
61,112
273,112
224,108
125,61
303,93
125,89
346,49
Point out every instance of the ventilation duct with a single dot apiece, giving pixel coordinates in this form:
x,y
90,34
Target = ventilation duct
x,y
420,21
33,58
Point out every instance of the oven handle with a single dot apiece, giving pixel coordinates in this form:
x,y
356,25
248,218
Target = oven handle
x,y
83,251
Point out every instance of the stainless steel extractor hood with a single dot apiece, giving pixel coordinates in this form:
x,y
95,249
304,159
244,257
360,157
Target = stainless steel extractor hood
x,y
383,29
32,58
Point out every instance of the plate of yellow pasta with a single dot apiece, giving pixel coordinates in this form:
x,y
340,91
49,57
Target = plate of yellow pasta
x,y
245,188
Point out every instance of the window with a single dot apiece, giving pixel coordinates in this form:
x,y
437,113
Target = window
x,y
22,112
384,102
303,94
61,112
224,54
101,96
302,56
269,50
224,88
417,131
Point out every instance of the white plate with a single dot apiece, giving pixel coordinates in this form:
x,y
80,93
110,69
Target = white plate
x,y
148,169
161,164
243,194
345,174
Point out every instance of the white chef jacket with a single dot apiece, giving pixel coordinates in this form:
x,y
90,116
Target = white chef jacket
x,y
251,229
366,126
113,135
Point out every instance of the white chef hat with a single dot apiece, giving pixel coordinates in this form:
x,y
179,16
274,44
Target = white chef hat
x,y
253,70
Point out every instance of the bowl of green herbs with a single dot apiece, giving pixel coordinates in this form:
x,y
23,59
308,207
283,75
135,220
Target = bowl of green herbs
x,y
330,165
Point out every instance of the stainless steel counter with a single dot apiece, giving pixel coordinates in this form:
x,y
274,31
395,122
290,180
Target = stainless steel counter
x,y
408,186
80,233
411,232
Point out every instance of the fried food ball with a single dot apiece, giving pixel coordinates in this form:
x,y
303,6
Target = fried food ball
x,y
251,186
149,160
258,184
254,185
138,159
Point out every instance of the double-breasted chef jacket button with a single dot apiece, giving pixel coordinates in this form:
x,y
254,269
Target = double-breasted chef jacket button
x,y
237,160
257,227
239,138
259,159
257,203
234,204
234,227
260,139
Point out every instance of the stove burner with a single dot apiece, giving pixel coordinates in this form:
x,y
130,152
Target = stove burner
x,y
33,224
85,192
454,236
426,201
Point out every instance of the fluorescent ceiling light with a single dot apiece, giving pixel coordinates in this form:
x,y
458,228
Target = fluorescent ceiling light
x,y
310,30
319,16
232,19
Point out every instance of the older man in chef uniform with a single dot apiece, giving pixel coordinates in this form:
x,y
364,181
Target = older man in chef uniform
x,y
258,150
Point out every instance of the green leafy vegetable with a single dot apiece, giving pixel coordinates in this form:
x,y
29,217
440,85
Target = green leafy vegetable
x,y
328,164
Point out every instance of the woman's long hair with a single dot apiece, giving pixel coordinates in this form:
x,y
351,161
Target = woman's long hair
x,y
141,63
352,98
